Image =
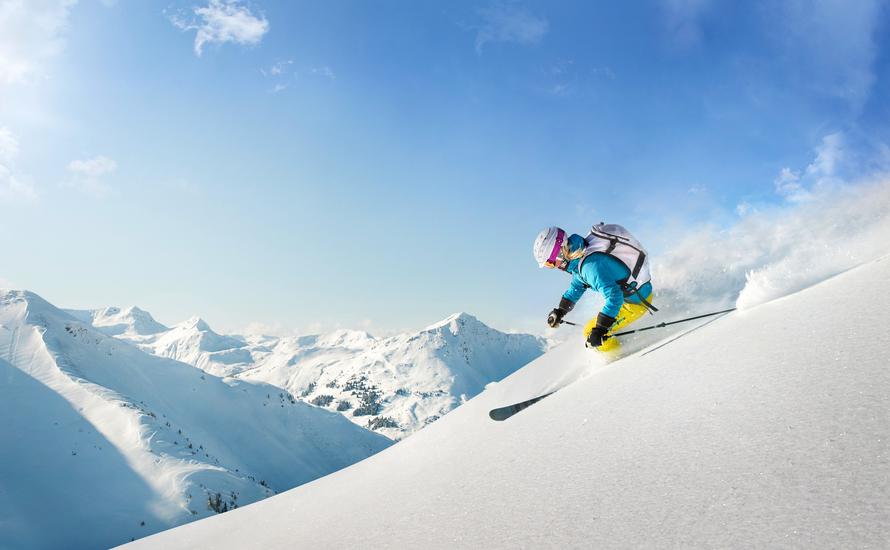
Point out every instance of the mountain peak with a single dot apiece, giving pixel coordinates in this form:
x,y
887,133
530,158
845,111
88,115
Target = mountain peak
x,y
132,320
31,299
197,323
456,321
136,311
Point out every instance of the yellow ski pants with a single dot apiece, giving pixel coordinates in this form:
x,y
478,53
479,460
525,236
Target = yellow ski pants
x,y
629,313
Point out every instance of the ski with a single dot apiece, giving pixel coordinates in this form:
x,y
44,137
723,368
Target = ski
x,y
502,413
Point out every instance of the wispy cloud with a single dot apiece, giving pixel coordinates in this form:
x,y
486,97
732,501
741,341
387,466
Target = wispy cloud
x,y
566,78
87,176
12,184
278,72
325,71
744,208
508,22
31,33
222,21
283,74
562,77
9,145
798,186
278,68
94,167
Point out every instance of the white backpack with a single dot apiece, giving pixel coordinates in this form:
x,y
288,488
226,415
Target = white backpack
x,y
616,241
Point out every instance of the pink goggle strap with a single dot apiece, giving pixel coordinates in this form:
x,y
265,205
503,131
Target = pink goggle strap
x,y
560,236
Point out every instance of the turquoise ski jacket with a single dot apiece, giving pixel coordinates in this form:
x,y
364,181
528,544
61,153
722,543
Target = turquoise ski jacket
x,y
603,274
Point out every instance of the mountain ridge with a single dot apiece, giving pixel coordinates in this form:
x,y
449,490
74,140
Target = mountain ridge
x,y
395,385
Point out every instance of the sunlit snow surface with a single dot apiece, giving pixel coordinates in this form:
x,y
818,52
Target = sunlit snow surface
x,y
765,428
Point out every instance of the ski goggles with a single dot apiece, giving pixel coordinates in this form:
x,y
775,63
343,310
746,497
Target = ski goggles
x,y
560,263
556,260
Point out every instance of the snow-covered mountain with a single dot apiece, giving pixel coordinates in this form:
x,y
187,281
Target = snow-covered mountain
x,y
131,322
767,428
393,385
399,384
103,443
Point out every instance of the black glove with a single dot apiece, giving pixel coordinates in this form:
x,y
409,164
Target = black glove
x,y
598,335
559,312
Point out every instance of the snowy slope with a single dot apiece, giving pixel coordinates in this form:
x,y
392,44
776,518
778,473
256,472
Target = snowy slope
x,y
104,443
766,428
393,385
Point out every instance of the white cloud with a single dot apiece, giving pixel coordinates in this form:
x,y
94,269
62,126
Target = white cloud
x,y
509,22
12,184
222,21
278,88
87,175
823,172
31,33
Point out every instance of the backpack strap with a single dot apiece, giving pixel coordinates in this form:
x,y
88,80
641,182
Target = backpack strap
x,y
648,305
631,290
641,259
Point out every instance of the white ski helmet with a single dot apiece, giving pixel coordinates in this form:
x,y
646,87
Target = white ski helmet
x,y
548,248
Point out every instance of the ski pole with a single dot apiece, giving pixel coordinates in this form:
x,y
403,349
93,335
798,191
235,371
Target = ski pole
x,y
568,323
660,325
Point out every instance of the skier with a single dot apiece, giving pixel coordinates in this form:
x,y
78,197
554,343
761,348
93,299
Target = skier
x,y
610,261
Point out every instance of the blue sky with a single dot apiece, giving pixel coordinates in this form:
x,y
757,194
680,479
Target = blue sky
x,y
380,165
